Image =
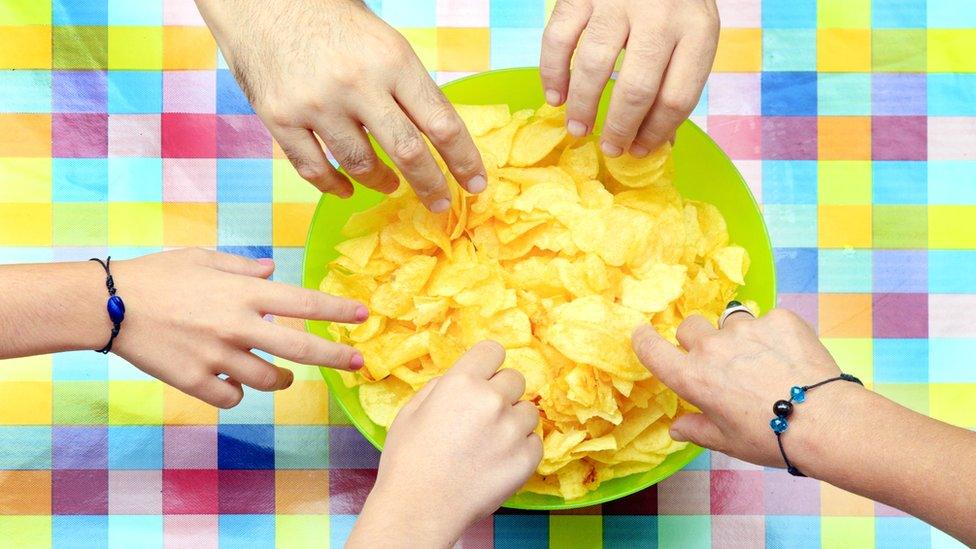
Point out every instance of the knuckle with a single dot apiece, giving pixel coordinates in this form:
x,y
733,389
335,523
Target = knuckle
x,y
443,125
282,116
308,304
409,150
302,350
637,94
679,103
594,63
614,127
555,37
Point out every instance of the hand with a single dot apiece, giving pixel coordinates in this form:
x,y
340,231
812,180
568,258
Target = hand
x,y
194,314
331,68
670,47
456,450
734,375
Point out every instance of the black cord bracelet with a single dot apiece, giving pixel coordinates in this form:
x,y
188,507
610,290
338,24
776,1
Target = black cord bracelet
x,y
115,305
783,409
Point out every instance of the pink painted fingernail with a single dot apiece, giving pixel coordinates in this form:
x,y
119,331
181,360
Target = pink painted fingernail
x,y
610,149
267,262
576,128
638,151
440,205
362,313
477,184
356,362
553,97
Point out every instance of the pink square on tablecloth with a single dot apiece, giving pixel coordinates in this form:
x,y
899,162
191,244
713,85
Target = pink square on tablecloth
x,y
190,447
899,138
133,135
738,532
740,13
734,93
348,489
684,493
189,91
197,531
737,492
79,135
189,180
189,491
135,492
246,492
952,138
242,136
739,136
462,13
900,315
789,495
79,492
805,305
181,13
723,462
189,135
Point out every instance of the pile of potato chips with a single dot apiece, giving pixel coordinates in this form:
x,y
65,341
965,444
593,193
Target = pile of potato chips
x,y
563,255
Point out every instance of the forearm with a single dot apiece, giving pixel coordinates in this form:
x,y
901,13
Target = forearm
x,y
871,446
47,308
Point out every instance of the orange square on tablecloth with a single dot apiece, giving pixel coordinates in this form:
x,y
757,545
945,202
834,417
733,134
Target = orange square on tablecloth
x,y
25,402
27,47
835,502
25,492
463,50
25,135
844,137
188,48
844,226
845,315
189,224
180,408
304,403
739,50
289,223
301,492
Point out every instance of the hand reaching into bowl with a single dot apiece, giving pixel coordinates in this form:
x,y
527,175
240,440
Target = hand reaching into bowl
x,y
841,433
456,450
670,45
332,69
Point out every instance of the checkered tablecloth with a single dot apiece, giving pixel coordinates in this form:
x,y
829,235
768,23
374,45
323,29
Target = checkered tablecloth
x,y
122,132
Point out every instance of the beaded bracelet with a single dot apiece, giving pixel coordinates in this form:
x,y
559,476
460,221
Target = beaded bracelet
x,y
783,409
115,305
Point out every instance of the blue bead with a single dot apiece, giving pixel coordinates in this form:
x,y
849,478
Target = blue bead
x,y
778,425
798,394
116,309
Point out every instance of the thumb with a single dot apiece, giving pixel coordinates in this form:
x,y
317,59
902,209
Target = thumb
x,y
698,429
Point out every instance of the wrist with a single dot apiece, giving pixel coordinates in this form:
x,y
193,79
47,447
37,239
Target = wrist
x,y
391,518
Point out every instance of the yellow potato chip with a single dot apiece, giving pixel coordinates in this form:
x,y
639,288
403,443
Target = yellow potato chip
x,y
654,169
535,140
581,162
383,399
481,119
658,287
732,262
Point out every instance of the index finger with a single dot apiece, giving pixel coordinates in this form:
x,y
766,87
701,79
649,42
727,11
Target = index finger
x,y
285,300
558,42
481,361
664,360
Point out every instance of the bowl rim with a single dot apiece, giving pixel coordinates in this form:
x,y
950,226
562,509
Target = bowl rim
x,y
686,456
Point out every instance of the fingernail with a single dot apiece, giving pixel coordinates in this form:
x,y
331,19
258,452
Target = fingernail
x,y
638,151
267,262
477,184
440,205
362,313
553,97
610,149
356,362
344,193
676,435
576,128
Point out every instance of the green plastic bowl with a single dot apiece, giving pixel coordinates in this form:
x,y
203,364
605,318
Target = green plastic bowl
x,y
703,173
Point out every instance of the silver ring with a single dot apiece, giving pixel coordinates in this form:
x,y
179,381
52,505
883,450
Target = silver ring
x,y
732,310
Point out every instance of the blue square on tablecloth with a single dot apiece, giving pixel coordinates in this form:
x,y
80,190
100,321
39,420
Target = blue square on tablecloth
x,y
135,447
25,447
230,97
789,14
951,181
349,450
340,526
789,182
789,93
625,531
792,226
843,271
844,94
245,446
25,91
301,447
898,532
135,179
702,462
899,182
951,271
243,180
79,531
519,531
135,92
898,14
901,360
142,13
789,50
79,447
80,366
415,14
79,91
518,13
289,264
79,179
795,532
142,531
951,94
257,407
900,271
950,14
515,47
796,269
243,224
253,252
247,530
951,360
79,12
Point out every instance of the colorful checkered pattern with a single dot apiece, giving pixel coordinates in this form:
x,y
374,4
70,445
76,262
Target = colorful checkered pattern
x,y
122,132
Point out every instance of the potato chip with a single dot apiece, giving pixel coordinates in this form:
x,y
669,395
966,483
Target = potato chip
x,y
559,259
